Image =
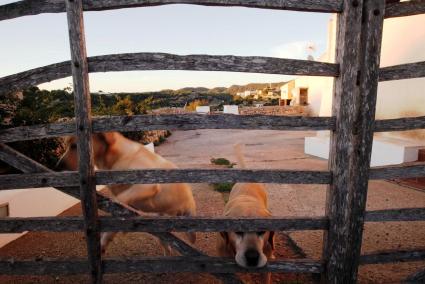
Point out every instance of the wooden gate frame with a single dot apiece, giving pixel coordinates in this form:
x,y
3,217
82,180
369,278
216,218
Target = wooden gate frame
x,y
357,72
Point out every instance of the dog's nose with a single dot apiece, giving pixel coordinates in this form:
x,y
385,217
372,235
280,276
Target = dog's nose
x,y
252,257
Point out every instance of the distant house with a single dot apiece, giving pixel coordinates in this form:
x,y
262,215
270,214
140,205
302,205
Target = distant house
x,y
231,109
203,109
294,93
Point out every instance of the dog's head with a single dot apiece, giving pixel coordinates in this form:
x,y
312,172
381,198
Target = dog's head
x,y
102,143
251,249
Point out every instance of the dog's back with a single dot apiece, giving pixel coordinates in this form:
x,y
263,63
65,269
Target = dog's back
x,y
246,199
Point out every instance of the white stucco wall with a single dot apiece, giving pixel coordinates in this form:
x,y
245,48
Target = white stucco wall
x,y
231,109
34,202
403,42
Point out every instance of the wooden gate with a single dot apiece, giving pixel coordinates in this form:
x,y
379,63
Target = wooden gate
x,y
357,72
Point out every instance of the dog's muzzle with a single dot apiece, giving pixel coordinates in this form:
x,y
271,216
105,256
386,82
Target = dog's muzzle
x,y
252,257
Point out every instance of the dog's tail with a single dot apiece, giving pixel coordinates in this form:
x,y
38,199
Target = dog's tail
x,y
239,155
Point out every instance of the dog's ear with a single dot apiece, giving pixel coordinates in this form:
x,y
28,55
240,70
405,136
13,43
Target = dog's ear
x,y
108,137
271,239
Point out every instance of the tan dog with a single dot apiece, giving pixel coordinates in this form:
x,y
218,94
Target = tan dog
x,y
250,249
112,151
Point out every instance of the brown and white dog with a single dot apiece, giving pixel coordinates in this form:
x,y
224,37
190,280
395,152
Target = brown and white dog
x,y
112,151
250,249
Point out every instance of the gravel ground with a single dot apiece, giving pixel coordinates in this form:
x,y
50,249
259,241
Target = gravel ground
x,y
264,150
72,245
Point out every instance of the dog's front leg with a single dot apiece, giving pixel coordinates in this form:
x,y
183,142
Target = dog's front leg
x,y
166,248
105,239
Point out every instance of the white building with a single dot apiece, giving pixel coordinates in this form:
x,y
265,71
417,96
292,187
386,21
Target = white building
x,y
231,109
400,98
203,109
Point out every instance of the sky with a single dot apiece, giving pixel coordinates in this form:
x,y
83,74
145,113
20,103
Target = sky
x,y
36,41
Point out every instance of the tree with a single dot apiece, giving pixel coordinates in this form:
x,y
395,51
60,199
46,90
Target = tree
x,y
192,105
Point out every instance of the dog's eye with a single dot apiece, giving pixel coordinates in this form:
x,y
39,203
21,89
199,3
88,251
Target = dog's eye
x,y
73,146
261,233
240,234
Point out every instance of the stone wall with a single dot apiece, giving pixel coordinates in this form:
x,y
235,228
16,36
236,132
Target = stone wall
x,y
275,110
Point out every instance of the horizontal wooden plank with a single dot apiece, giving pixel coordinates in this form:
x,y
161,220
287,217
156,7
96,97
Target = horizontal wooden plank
x,y
34,77
196,224
65,179
154,265
401,214
170,122
212,176
30,7
400,124
207,264
197,121
403,71
392,256
402,9
393,172
163,224
52,179
41,224
213,121
208,224
165,61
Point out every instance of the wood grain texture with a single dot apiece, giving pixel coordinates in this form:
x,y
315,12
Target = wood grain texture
x,y
165,61
403,9
34,77
36,7
132,223
19,161
37,180
403,71
163,224
196,121
395,215
154,265
211,176
358,52
170,122
400,124
83,130
392,172
213,121
393,256
152,176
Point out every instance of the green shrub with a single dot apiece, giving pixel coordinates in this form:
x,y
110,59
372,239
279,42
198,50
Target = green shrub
x,y
222,162
223,187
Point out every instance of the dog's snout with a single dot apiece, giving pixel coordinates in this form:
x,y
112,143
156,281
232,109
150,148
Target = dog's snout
x,y
252,256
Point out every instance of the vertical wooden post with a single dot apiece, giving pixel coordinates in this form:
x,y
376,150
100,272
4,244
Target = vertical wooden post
x,y
84,133
354,102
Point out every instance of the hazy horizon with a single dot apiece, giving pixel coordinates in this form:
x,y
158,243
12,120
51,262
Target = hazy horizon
x,y
36,41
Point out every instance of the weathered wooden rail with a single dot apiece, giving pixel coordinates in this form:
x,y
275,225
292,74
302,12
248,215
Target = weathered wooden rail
x,y
352,126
